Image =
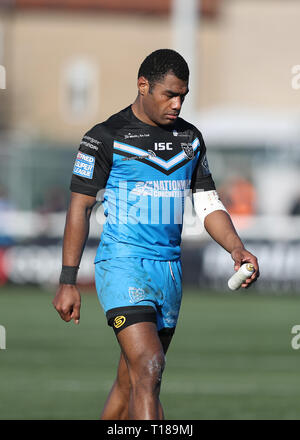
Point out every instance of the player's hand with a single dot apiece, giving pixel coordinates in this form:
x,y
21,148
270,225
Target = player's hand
x,y
67,302
241,256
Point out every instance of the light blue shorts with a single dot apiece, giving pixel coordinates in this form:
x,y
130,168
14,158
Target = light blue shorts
x,y
133,282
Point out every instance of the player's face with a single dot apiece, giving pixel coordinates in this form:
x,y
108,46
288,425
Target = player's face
x,y
162,103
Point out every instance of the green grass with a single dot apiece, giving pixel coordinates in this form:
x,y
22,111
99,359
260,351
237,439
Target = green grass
x,y
231,358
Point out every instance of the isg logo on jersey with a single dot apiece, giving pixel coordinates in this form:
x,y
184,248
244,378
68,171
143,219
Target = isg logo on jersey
x,y
295,342
162,146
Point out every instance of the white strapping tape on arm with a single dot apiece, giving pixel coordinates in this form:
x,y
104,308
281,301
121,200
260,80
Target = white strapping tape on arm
x,y
206,202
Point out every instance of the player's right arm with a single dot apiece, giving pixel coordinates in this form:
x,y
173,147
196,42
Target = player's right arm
x,y
90,173
67,300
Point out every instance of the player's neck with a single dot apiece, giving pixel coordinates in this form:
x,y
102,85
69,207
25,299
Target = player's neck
x,y
138,111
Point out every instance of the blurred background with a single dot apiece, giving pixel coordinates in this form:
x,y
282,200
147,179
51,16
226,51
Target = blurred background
x,y
66,65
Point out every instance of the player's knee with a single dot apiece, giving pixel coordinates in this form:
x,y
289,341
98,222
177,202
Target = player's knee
x,y
156,366
147,373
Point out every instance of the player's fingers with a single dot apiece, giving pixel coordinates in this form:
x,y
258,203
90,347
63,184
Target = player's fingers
x,y
65,316
64,313
248,282
255,274
237,256
237,263
75,318
253,260
76,313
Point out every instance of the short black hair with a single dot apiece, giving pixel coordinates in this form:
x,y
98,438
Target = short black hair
x,y
162,61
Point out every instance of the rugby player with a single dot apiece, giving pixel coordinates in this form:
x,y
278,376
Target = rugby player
x,y
147,159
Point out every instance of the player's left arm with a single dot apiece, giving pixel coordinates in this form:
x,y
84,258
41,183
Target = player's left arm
x,y
214,216
220,227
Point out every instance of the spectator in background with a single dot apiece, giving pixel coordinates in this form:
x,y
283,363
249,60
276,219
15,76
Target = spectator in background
x,y
5,203
239,198
295,209
6,206
55,200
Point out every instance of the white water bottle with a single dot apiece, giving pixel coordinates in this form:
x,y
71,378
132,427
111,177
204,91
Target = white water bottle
x,y
237,279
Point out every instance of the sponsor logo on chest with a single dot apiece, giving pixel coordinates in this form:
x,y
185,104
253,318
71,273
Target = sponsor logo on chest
x,y
162,146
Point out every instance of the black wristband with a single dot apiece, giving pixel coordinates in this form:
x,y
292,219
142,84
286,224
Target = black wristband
x,y
68,275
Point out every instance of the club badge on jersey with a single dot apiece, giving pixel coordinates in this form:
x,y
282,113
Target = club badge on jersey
x,y
188,150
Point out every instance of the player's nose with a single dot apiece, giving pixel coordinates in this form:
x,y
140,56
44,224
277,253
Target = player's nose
x,y
176,103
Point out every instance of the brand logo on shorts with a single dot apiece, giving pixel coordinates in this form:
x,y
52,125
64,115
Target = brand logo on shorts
x,y
119,321
136,294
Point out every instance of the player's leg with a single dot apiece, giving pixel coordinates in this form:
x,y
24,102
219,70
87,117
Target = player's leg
x,y
131,306
116,405
145,358
165,336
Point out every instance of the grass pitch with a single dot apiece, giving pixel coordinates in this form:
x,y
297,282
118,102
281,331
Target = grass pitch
x,y
231,358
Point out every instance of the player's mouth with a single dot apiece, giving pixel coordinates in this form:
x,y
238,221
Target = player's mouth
x,y
172,116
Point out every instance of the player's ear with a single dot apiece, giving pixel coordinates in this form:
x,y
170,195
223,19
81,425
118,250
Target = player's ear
x,y
143,85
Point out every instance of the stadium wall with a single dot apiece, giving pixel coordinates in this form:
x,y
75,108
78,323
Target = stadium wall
x,y
205,264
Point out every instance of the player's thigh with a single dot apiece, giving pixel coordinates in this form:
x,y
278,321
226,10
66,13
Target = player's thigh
x,y
165,337
142,350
